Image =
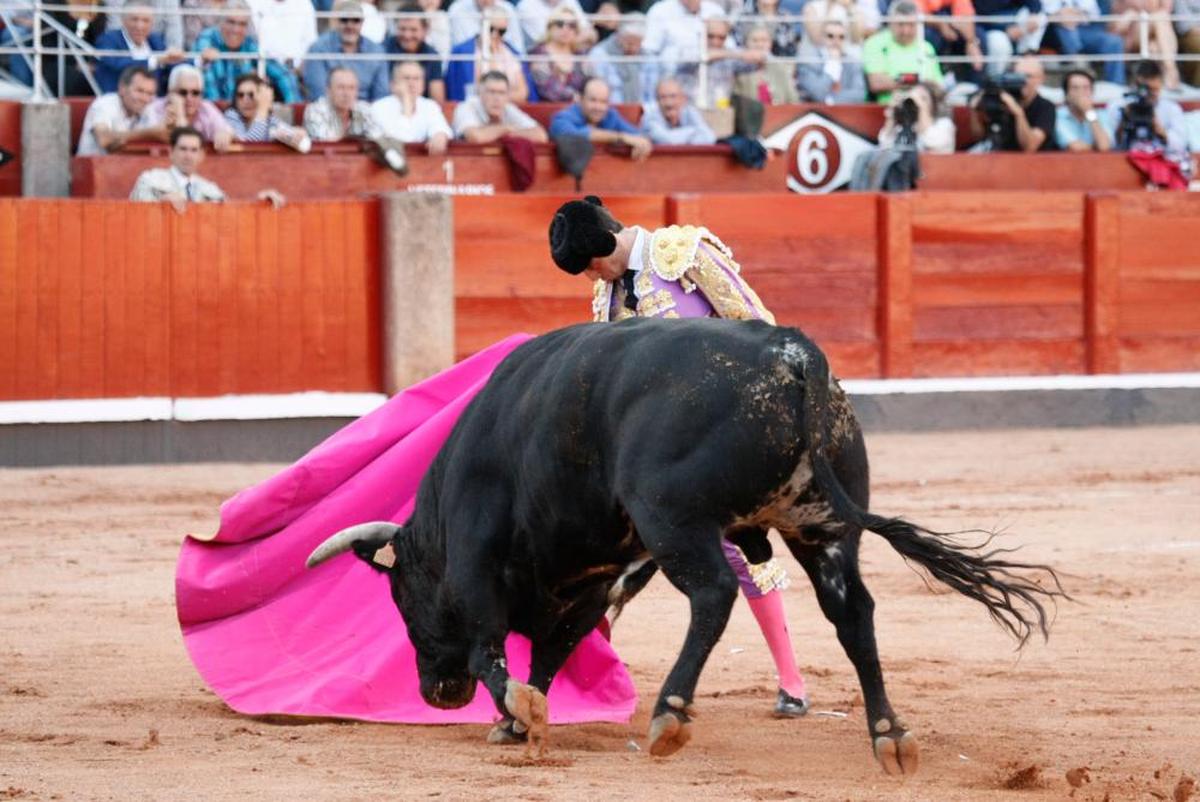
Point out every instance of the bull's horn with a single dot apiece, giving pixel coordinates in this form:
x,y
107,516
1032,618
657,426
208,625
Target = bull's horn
x,y
377,534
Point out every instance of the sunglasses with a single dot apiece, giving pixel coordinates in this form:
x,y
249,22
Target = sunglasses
x,y
189,92
835,37
250,94
350,20
499,31
563,24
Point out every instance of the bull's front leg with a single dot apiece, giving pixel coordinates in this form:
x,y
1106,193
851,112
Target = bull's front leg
x,y
845,601
692,560
522,707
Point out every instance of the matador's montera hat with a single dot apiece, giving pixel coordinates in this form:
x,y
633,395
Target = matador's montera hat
x,y
580,232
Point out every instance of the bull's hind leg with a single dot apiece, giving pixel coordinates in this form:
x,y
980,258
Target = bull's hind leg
x,y
848,605
691,559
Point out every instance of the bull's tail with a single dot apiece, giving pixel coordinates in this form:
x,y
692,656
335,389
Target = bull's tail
x,y
1013,592
364,540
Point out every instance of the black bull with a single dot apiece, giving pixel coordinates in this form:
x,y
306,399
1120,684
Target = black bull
x,y
595,447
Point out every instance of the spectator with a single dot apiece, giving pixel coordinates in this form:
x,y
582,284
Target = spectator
x,y
607,18
466,18
167,22
951,31
898,53
1027,125
201,14
490,115
410,41
1074,28
498,55
180,184
1167,129
861,18
119,117
1187,30
88,24
340,112
286,28
438,23
772,82
560,76
833,71
631,81
934,129
675,31
1002,39
1077,125
407,115
535,14
252,117
134,36
346,37
1163,43
594,119
221,74
185,107
725,62
785,36
674,121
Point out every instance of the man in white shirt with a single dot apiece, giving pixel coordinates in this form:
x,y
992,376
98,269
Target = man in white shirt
x,y
674,121
466,19
406,115
675,29
180,184
286,28
490,115
119,117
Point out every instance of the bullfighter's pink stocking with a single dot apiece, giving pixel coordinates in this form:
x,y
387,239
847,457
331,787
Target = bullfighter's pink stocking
x,y
768,611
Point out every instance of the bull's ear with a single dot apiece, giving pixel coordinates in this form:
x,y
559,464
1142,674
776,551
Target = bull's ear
x,y
381,558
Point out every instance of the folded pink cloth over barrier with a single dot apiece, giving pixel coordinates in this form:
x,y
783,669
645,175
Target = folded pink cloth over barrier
x,y
270,636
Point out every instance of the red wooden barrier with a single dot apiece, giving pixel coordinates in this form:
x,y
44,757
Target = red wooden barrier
x,y
113,299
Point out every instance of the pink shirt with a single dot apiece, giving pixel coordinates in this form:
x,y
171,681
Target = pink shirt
x,y
208,120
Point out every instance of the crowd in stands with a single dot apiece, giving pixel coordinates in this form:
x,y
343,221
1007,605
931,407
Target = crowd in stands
x,y
381,75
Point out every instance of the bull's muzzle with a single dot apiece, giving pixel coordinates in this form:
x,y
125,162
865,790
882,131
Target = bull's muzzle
x,y
449,693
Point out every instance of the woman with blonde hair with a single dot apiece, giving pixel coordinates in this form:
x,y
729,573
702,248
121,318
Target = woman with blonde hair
x,y
554,63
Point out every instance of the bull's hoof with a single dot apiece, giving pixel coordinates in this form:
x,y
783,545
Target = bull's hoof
x,y
898,753
528,706
505,733
669,732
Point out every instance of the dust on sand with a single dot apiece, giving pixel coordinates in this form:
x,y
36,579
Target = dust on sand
x,y
99,701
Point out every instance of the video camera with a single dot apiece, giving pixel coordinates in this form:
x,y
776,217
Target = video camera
x,y
1137,118
994,111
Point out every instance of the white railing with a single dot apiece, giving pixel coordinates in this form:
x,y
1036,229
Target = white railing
x,y
70,46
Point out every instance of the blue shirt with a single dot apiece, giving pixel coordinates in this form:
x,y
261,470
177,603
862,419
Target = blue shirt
x,y
1067,129
571,122
372,74
220,77
461,74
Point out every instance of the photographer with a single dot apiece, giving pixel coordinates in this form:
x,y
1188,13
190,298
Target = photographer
x,y
918,108
1078,127
1145,119
1023,123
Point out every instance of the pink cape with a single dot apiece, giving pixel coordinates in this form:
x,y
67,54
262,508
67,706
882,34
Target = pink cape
x,y
270,636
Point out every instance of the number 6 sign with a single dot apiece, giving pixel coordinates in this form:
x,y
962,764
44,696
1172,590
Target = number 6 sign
x,y
820,152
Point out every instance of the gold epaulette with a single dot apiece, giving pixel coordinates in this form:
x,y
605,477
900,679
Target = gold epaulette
x,y
672,250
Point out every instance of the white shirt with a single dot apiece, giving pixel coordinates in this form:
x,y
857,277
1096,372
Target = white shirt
x,y
158,183
674,33
466,22
286,28
471,114
426,120
107,110
535,13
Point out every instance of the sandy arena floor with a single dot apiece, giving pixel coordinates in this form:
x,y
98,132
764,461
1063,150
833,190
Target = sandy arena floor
x,y
99,701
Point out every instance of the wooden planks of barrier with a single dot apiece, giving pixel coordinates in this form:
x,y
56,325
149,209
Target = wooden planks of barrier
x,y
504,280
116,299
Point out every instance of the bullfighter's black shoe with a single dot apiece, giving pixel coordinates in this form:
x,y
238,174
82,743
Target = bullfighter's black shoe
x,y
788,706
